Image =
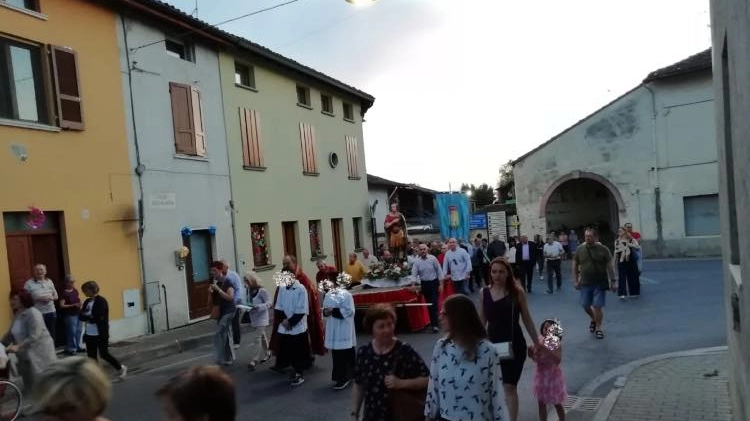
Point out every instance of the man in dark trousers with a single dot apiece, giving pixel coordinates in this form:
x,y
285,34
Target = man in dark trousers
x,y
526,255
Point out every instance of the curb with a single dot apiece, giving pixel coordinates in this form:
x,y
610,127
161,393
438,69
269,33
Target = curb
x,y
136,357
625,370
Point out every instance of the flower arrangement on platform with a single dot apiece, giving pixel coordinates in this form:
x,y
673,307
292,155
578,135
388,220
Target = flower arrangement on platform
x,y
394,271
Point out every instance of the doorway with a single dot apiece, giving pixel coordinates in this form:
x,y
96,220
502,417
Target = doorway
x,y
290,238
196,272
27,247
337,250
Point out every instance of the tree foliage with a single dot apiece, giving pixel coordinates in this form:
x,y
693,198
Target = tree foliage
x,y
482,195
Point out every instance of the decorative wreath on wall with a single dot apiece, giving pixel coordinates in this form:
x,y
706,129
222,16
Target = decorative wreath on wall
x,y
36,218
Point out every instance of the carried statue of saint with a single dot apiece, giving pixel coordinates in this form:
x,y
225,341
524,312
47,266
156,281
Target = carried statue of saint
x,y
395,231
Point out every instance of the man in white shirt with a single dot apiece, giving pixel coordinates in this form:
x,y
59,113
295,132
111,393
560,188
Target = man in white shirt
x,y
44,294
292,309
368,259
553,254
457,263
427,269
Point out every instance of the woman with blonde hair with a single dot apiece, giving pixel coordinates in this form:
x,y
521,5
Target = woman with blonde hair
x,y
72,389
259,302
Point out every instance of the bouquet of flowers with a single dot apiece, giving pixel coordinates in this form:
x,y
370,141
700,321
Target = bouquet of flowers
x,y
394,271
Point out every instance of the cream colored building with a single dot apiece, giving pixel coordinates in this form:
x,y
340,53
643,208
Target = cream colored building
x,y
730,27
297,164
648,157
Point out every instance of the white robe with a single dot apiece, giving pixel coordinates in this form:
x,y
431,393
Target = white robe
x,y
340,333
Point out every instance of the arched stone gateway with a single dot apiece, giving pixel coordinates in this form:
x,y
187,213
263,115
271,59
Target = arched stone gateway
x,y
581,199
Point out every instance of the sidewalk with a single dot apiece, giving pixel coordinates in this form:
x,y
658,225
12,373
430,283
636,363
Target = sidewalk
x,y
135,351
685,386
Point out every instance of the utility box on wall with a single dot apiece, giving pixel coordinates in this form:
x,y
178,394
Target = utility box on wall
x,y
131,302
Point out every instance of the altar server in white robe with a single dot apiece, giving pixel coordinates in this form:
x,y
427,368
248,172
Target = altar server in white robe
x,y
340,336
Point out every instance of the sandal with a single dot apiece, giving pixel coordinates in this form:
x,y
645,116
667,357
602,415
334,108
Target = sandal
x,y
599,334
592,327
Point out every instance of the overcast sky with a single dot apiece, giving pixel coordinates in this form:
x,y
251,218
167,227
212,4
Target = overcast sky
x,y
462,86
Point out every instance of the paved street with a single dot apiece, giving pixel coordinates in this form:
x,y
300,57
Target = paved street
x,y
681,308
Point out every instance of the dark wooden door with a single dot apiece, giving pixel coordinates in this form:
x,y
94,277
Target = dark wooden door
x,y
196,272
290,238
337,248
20,260
46,249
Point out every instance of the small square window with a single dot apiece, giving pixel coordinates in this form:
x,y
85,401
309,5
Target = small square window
x,y
24,4
348,112
303,95
244,75
179,50
326,102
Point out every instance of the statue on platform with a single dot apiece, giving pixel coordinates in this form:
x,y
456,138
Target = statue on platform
x,y
395,231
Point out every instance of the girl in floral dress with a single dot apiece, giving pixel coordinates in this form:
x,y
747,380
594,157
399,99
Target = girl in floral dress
x,y
549,383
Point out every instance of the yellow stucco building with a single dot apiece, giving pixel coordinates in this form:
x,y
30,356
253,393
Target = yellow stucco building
x,y
64,150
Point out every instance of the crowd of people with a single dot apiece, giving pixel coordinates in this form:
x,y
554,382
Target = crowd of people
x,y
482,347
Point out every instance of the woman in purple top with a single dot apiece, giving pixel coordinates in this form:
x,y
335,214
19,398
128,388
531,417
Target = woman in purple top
x,y
70,306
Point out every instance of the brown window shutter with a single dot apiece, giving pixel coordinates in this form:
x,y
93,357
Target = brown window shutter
x,y
352,156
252,145
67,88
245,138
200,133
182,118
308,145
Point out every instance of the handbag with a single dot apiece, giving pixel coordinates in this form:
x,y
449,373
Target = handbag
x,y
406,404
505,349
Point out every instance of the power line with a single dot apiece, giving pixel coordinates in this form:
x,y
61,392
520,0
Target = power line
x,y
134,49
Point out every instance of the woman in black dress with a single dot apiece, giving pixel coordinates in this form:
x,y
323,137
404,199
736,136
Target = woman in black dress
x,y
503,304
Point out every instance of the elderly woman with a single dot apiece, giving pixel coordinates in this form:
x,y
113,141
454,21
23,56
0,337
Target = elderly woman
x,y
72,389
260,303
384,364
28,338
200,394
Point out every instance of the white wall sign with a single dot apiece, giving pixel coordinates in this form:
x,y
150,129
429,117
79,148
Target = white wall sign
x,y
163,201
497,225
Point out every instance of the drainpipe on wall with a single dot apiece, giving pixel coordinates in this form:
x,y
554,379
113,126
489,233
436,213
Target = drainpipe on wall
x,y
139,169
657,190
229,171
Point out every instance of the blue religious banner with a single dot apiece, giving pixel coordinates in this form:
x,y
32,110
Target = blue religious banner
x,y
453,211
478,221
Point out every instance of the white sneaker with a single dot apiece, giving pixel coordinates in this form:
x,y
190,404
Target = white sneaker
x,y
123,372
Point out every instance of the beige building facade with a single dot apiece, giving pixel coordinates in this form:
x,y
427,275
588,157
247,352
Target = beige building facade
x,y
648,158
297,165
730,26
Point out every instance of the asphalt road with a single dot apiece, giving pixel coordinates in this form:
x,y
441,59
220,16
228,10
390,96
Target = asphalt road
x,y
681,308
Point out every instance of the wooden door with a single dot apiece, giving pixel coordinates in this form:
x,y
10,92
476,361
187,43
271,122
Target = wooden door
x,y
290,238
337,243
196,272
20,260
46,249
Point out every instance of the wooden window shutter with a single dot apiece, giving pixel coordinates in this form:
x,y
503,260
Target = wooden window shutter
x,y
252,144
200,133
309,148
67,88
352,156
182,118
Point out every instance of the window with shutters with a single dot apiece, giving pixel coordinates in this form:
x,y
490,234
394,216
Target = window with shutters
x,y
23,4
348,112
187,119
244,75
352,157
308,144
303,96
252,145
326,104
22,93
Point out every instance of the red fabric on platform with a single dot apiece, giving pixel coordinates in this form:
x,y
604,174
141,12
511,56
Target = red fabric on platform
x,y
418,316
447,292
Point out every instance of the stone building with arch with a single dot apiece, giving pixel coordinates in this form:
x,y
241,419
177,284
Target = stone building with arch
x,y
648,157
